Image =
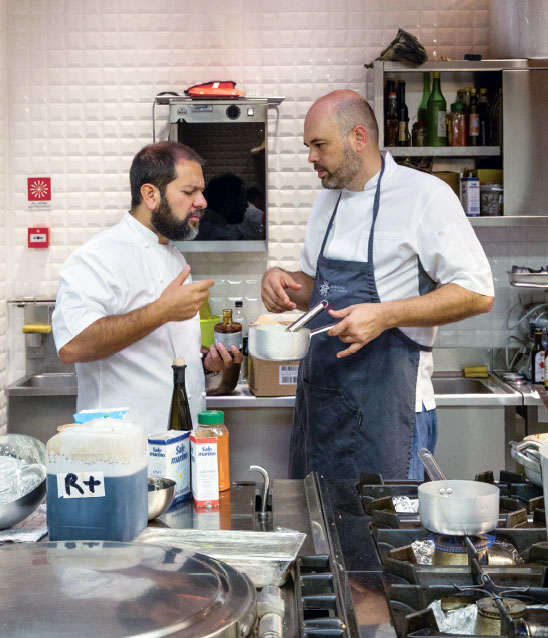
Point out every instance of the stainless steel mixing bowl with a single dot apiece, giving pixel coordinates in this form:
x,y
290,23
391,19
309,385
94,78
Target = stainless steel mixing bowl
x,y
160,496
33,453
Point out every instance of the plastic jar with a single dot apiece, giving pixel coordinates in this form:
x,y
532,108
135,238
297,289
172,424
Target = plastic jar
x,y
213,421
491,199
97,481
456,124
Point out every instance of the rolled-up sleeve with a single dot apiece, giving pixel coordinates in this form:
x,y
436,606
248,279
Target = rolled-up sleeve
x,y
449,250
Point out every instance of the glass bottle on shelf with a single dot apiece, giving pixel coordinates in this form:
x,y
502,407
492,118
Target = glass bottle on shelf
x,y
483,112
391,122
239,317
421,113
537,358
404,139
228,332
473,120
456,125
179,413
436,134
496,120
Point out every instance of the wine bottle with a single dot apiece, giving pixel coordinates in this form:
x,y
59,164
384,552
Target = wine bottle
x,y
239,317
421,113
404,139
436,109
473,120
179,413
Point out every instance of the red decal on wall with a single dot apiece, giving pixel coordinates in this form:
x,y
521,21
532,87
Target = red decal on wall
x,y
39,189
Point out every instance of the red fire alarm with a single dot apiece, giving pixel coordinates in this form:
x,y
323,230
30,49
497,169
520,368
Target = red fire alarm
x,y
38,237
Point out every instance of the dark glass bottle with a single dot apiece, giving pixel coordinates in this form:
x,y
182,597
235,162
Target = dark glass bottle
x,y
473,120
179,413
422,112
391,121
537,358
404,139
483,112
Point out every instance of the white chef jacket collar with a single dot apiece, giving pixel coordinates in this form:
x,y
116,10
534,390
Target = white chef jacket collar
x,y
147,236
371,184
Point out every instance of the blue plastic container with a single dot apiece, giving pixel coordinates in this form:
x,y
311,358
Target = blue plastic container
x,y
97,481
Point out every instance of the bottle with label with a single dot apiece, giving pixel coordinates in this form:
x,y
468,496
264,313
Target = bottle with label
x,y
483,112
391,122
179,413
436,108
404,139
229,332
456,125
239,317
538,356
212,421
422,110
473,120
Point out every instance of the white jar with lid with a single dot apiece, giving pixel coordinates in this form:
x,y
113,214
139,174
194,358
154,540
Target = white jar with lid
x,y
97,481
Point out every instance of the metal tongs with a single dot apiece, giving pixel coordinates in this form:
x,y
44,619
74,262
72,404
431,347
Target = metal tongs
x,y
308,316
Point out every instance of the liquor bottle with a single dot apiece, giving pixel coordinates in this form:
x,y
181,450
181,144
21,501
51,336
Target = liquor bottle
x,y
391,121
228,332
179,413
421,113
239,317
473,120
537,358
435,114
483,112
404,139
496,120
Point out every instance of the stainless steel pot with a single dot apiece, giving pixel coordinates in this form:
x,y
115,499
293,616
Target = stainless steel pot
x,y
526,453
461,508
276,342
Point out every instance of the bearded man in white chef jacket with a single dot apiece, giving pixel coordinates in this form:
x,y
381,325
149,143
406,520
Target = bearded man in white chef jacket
x,y
127,306
391,251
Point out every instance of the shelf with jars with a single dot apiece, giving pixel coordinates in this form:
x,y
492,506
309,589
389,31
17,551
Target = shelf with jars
x,y
452,123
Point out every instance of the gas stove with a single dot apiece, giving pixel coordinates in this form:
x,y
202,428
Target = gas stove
x,y
405,581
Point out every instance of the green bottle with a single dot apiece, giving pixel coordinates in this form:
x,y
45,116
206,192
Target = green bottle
x,y
421,113
436,109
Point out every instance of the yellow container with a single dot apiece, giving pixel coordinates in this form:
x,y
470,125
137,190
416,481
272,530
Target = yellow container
x,y
206,327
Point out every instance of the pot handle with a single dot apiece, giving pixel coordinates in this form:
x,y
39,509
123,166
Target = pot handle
x,y
304,319
531,460
433,470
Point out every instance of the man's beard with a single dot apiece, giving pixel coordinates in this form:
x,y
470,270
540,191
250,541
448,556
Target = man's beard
x,y
345,173
164,222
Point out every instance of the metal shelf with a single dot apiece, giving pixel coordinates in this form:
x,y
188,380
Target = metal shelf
x,y
444,151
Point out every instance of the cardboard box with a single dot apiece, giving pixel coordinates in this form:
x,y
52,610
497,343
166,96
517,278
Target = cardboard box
x,y
451,178
272,378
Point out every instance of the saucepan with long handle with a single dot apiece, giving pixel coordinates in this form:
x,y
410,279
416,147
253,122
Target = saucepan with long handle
x,y
276,342
460,508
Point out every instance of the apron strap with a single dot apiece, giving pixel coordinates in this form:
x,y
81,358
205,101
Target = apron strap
x,y
376,204
328,229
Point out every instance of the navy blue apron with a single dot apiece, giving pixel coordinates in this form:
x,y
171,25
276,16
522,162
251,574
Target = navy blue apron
x,y
356,413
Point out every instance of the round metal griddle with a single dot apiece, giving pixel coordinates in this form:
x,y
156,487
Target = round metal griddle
x,y
91,589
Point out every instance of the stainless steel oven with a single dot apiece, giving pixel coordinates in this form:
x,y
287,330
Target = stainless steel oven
x,y
232,136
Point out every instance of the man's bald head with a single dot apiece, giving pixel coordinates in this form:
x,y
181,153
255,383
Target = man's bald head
x,y
350,110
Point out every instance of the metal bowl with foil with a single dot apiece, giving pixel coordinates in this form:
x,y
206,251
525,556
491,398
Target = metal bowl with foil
x,y
22,477
526,453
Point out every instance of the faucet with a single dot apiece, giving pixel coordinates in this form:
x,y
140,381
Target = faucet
x,y
263,514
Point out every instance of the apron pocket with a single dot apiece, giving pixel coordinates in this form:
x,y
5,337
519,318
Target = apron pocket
x,y
331,424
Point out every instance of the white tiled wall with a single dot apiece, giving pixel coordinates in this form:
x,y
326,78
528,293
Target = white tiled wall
x,y
81,81
3,212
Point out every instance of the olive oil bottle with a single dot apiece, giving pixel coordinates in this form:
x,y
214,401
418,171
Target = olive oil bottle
x,y
179,413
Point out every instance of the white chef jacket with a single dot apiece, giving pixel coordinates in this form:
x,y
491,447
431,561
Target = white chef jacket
x,y
116,271
422,238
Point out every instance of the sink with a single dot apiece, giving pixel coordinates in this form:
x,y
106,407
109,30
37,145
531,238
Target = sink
x,y
47,383
461,385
